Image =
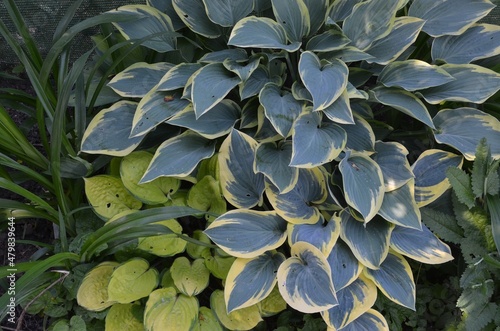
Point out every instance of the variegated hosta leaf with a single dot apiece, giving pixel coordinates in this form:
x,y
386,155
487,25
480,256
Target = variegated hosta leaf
x,y
138,79
305,281
354,300
260,32
273,161
265,129
430,174
297,205
125,317
477,42
360,136
232,54
241,186
148,21
420,245
190,278
249,281
449,17
340,110
322,235
372,320
108,132
166,244
179,156
93,291
293,16
405,102
330,40
241,319
340,9
194,15
363,183
344,265
369,242
463,128
317,11
177,77
399,206
247,233
347,54
254,84
394,278
354,93
227,12
244,71
132,280
391,158
325,80
167,8
472,84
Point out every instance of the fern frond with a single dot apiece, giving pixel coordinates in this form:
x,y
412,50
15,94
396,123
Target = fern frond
x,y
460,181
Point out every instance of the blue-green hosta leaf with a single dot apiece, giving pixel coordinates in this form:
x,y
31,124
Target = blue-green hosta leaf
x,y
216,122
265,129
372,320
241,186
463,128
190,278
316,142
359,171
399,207
178,156
210,85
449,17
321,235
247,233
403,34
344,265
340,9
330,40
280,108
325,80
148,21
317,11
413,75
131,281
244,71
241,319
254,84
405,102
354,300
300,92
394,278
391,158
296,206
227,12
177,77
354,93
304,280
108,132
370,21
261,32
293,16
369,242
477,42
194,15
430,174
347,54
167,8
273,161
420,245
360,136
472,84
138,79
340,110
233,54
249,281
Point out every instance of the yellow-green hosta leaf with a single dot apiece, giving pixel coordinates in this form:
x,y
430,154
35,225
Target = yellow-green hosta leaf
x,y
399,207
132,280
331,40
249,281
293,16
360,136
322,235
391,158
394,279
305,280
430,174
166,244
372,320
207,321
196,251
241,319
272,304
205,195
219,266
463,128
177,77
247,233
209,167
125,317
190,278
227,12
93,291
194,15
167,281
420,245
108,196
344,265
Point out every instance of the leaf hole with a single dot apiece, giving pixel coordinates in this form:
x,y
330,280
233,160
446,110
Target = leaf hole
x,y
284,22
117,195
171,190
344,266
108,205
186,15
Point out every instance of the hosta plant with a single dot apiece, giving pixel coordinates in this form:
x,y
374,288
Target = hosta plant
x,y
305,110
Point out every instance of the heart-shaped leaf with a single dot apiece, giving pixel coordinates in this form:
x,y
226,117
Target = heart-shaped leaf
x,y
190,278
132,280
166,244
227,12
293,16
322,235
371,320
194,15
93,291
241,319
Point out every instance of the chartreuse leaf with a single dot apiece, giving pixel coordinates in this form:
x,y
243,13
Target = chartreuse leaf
x,y
358,170
125,317
369,242
93,291
344,265
206,196
463,129
391,158
372,320
354,300
340,9
420,245
108,132
207,321
108,196
249,281
166,244
196,251
293,16
272,304
190,278
227,12
461,183
241,319
317,10
493,203
325,80
297,205
394,279
194,15
133,167
138,79
272,160
219,266
316,142
360,136
148,21
177,77
430,174
477,42
449,17
322,235
178,156
305,280
165,310
399,207
241,186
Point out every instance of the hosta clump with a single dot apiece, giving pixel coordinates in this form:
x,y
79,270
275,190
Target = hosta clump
x,y
293,99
